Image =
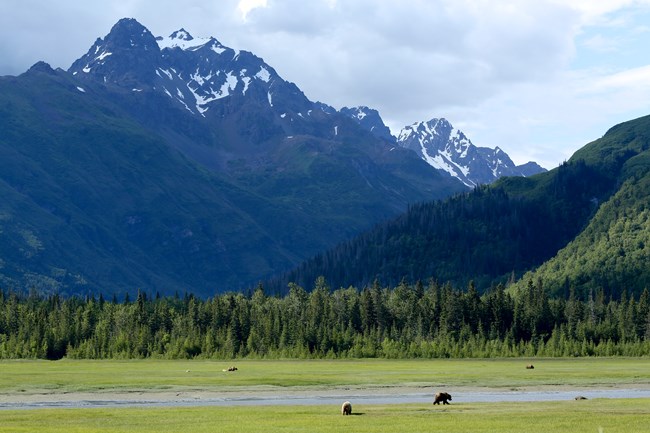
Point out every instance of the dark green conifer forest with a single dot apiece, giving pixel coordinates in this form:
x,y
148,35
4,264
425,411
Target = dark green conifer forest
x,y
582,225
421,320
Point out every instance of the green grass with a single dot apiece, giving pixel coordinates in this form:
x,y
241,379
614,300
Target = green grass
x,y
594,415
84,375
586,416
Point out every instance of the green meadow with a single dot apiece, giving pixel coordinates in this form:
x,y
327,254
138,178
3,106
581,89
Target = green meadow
x,y
69,376
591,416
157,375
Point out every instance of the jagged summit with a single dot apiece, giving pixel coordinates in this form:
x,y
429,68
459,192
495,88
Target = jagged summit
x,y
126,56
181,34
207,79
129,33
448,149
197,74
369,119
443,147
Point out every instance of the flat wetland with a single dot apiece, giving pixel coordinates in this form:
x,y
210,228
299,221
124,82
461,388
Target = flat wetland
x,y
305,395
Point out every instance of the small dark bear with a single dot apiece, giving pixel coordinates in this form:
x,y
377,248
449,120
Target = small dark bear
x,y
441,397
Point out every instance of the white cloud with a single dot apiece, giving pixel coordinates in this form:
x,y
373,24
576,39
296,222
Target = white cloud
x,y
246,6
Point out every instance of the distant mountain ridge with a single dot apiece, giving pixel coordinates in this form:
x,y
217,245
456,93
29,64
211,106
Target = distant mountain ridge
x,y
369,119
194,73
178,164
197,73
446,149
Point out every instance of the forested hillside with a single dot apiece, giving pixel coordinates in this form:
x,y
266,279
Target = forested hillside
x,y
488,235
409,320
597,201
613,251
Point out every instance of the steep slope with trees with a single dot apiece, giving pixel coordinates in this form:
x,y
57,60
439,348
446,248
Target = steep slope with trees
x,y
613,251
497,233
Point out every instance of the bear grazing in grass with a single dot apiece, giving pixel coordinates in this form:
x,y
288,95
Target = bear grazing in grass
x,y
441,397
346,408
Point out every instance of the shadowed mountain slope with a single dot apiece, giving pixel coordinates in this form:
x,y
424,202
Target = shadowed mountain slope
x,y
590,212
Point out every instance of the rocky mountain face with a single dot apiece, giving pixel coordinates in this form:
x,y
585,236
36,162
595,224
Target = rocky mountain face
x,y
370,120
208,79
448,149
178,164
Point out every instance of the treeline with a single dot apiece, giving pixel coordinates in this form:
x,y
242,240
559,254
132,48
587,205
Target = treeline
x,y
407,321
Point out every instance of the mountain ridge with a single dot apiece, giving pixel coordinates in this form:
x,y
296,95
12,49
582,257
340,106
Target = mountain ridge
x,y
578,228
445,148
115,182
448,149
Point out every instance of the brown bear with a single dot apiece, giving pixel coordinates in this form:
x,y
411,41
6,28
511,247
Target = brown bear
x,y
346,408
441,397
530,366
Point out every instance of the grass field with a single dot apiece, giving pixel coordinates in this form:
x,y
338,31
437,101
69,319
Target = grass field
x,y
19,378
73,375
593,416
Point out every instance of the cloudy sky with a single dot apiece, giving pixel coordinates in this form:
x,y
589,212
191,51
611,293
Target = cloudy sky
x,y
538,78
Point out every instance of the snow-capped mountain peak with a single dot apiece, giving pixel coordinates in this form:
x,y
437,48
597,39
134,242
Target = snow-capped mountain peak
x,y
448,149
196,73
205,78
181,34
128,55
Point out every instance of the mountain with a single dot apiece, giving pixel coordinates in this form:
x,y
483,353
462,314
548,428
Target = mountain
x,y
580,227
530,168
448,149
445,148
370,120
178,164
613,250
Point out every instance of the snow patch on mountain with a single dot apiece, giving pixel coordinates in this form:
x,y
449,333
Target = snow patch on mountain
x,y
206,78
198,74
443,147
263,75
183,40
219,71
448,149
369,119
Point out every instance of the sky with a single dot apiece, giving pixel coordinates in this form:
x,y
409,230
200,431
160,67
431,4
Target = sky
x,y
537,78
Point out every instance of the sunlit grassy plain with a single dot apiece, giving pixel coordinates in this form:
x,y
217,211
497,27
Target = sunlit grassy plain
x,y
621,415
157,375
592,416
